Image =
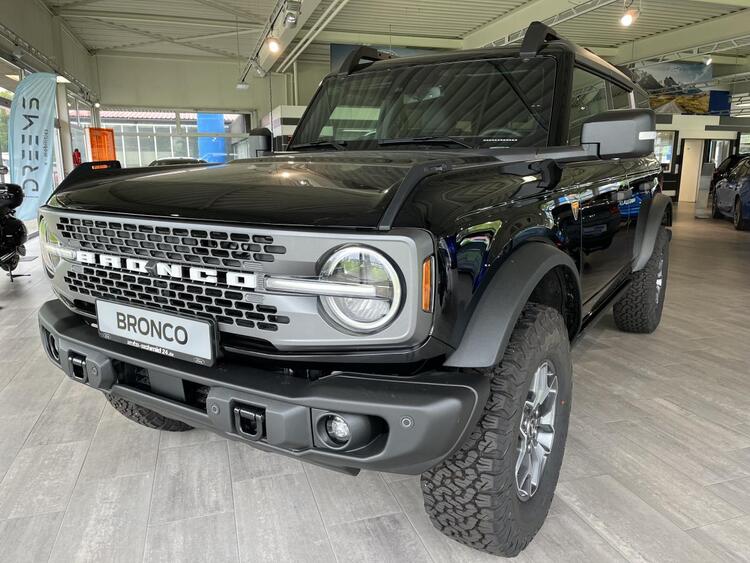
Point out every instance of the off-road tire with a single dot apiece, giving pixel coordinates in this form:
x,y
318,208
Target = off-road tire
x,y
472,496
146,417
740,223
639,310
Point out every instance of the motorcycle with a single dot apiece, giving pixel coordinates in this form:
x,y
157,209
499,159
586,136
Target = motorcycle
x,y
12,230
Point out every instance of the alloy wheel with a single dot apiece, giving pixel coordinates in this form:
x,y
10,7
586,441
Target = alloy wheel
x,y
537,430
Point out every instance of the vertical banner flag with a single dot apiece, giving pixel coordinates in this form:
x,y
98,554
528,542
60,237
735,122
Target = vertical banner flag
x,y
31,133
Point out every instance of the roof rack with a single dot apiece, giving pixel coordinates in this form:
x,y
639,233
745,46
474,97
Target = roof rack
x,y
537,35
352,61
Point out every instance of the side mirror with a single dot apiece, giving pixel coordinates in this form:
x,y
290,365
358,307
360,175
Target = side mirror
x,y
628,133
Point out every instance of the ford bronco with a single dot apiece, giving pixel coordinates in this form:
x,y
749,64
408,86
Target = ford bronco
x,y
398,292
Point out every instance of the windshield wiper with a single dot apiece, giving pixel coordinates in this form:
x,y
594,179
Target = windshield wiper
x,y
338,145
425,140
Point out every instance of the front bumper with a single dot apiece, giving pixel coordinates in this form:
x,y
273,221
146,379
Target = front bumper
x,y
406,424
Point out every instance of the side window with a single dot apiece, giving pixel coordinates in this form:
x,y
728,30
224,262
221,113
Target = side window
x,y
589,98
620,98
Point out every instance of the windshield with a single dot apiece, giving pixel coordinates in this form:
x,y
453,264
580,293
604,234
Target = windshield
x,y
487,103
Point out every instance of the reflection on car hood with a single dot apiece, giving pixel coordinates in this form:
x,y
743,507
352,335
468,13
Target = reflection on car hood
x,y
344,189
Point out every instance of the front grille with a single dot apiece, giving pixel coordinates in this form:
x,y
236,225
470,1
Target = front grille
x,y
226,306
234,310
199,247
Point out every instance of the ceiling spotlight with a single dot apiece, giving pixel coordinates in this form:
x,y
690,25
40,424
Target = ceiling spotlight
x,y
14,77
61,80
97,105
629,17
708,60
273,44
291,15
242,85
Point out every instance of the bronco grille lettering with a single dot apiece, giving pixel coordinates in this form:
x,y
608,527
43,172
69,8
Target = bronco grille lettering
x,y
244,280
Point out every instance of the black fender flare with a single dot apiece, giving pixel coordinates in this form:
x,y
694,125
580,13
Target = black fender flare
x,y
500,304
650,217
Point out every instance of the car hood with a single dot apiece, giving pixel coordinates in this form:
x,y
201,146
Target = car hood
x,y
344,189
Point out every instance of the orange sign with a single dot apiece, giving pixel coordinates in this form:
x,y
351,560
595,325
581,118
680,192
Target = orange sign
x,y
102,143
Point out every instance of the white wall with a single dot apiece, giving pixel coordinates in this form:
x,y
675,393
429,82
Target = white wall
x,y
309,75
694,127
203,84
34,23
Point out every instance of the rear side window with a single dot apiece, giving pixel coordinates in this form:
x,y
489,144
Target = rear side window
x,y
620,97
589,99
591,96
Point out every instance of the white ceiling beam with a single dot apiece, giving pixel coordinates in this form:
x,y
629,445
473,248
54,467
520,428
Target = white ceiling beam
x,y
178,40
352,38
737,3
692,40
154,18
511,27
166,39
226,8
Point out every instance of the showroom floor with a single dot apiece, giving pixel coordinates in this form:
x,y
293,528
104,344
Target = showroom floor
x,y
657,466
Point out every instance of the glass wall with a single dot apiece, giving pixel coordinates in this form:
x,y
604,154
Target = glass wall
x,y
142,137
745,143
664,149
79,114
10,76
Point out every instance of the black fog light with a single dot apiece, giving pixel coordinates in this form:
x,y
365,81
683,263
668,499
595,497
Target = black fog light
x,y
344,431
337,429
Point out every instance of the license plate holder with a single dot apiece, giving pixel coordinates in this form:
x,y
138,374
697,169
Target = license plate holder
x,y
170,335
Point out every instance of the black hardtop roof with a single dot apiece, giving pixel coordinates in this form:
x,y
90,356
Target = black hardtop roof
x,y
539,40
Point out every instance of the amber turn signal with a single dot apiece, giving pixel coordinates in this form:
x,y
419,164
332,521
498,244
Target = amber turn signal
x,y
427,285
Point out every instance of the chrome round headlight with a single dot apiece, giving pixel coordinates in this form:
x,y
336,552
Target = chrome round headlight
x,y
372,274
51,248
47,239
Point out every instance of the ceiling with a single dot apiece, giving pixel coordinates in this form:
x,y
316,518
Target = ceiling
x,y
226,28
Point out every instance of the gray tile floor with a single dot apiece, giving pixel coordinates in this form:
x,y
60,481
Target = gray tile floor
x,y
657,466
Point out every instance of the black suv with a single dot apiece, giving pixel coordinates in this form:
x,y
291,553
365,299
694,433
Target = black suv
x,y
399,292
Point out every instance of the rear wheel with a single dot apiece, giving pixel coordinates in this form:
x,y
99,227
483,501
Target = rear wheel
x,y
639,310
146,417
494,492
740,222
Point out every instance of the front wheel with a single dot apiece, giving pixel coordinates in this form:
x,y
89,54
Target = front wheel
x,y
715,212
738,218
494,492
146,417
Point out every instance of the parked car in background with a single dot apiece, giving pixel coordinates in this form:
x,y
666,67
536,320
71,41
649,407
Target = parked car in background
x,y
172,161
723,170
731,197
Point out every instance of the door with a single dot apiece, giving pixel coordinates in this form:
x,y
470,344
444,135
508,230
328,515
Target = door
x,y
606,249
690,172
606,244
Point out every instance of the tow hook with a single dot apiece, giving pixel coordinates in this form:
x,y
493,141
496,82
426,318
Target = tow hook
x,y
78,365
249,422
